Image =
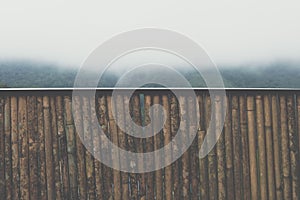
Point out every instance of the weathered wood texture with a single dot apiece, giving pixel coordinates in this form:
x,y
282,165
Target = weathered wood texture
x,y
256,157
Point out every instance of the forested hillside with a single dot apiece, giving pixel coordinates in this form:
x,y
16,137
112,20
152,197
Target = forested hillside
x,y
35,74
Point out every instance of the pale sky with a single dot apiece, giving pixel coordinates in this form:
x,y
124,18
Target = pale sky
x,y
232,32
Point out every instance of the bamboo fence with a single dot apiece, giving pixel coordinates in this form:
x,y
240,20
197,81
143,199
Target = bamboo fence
x,y
256,156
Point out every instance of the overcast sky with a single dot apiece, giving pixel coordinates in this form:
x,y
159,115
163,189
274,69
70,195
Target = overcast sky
x,y
232,32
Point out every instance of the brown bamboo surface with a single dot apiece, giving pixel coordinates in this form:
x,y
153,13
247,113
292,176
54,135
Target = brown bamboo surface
x,y
256,157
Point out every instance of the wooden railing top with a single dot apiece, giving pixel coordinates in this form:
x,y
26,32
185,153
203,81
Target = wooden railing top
x,y
106,90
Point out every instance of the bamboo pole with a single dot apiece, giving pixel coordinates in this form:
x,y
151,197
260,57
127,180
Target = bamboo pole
x,y
33,146
293,146
15,148
298,117
88,139
98,179
131,142
276,146
174,112
252,147
212,160
157,144
23,136
194,152
261,148
71,147
285,150
149,148
245,148
140,146
220,150
229,151
167,156
48,149
114,138
63,158
80,149
203,171
236,148
42,154
107,172
97,150
122,140
2,151
55,150
8,150
269,147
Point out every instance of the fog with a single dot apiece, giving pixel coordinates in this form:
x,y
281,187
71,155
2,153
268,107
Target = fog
x,y
232,32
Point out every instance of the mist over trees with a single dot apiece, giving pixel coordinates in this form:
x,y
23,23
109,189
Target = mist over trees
x,y
39,74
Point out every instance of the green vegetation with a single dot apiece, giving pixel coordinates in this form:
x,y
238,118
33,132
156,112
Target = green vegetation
x,y
34,74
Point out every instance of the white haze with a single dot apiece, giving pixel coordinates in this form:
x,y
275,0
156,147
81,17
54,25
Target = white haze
x,y
232,32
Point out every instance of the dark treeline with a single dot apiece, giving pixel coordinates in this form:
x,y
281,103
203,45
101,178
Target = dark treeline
x,y
35,74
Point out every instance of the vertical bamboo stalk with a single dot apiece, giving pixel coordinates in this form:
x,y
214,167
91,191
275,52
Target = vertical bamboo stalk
x,y
88,139
167,157
2,150
229,151
15,148
252,147
122,144
285,150
236,148
48,149
174,112
42,154
23,136
140,147
55,150
71,147
114,138
80,150
276,142
293,146
149,148
97,150
193,151
157,144
33,146
220,150
98,178
212,160
261,148
8,150
245,148
298,117
269,147
63,158
203,171
133,190
107,172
